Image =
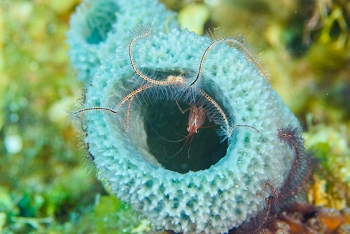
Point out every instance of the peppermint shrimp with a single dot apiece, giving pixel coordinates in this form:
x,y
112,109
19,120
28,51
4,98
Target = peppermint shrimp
x,y
196,120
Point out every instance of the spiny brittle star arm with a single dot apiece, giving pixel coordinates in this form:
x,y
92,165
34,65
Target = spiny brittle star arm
x,y
130,97
211,100
240,45
137,71
223,115
134,93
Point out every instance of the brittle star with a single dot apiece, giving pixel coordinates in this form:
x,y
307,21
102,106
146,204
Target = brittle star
x,y
179,84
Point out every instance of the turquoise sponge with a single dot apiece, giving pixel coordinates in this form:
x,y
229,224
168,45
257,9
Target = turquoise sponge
x,y
97,25
171,189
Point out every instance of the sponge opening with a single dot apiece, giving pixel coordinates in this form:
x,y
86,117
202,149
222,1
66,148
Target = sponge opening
x,y
100,20
166,129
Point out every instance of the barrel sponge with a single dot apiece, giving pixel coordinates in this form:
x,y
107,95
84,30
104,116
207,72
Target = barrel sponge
x,y
211,200
98,24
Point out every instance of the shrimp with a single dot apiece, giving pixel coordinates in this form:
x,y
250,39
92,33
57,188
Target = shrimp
x,y
196,120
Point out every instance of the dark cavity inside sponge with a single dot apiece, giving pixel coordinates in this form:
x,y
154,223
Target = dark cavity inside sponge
x,y
166,131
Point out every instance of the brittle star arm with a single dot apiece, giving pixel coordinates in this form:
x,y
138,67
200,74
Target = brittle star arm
x,y
130,97
240,45
137,71
211,100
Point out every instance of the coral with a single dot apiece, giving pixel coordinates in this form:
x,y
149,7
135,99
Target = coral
x,y
98,24
346,215
305,218
330,218
330,144
243,170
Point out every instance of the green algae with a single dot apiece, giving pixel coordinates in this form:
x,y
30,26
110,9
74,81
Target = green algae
x,y
111,215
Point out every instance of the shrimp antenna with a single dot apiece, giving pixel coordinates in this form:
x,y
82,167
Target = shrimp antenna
x,y
188,152
161,135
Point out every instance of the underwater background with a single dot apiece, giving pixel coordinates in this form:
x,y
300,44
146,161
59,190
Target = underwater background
x,y
46,186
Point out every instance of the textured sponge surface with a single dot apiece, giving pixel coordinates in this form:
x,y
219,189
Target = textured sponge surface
x,y
212,200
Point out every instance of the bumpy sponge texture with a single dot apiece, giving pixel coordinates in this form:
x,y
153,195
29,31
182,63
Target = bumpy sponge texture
x,y
97,25
207,201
